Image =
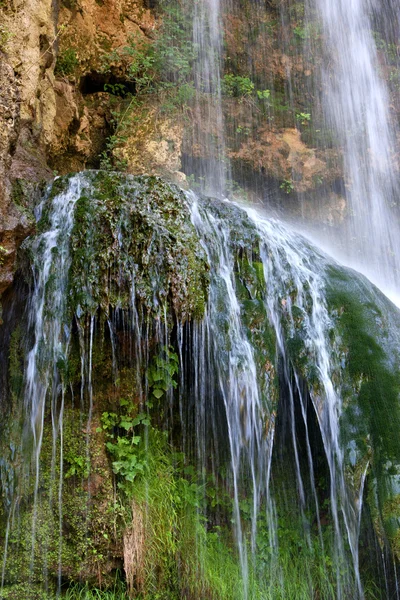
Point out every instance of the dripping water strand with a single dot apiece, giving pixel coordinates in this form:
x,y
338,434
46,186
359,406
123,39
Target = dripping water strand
x,y
47,314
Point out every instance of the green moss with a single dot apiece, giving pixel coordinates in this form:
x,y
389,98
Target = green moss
x,y
59,185
136,232
373,379
25,591
86,544
366,326
21,195
16,363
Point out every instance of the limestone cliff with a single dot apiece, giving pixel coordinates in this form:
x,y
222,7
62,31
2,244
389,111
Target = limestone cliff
x,y
46,120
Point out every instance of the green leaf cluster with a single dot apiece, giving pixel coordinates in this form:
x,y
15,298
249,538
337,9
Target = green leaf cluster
x,y
123,442
161,374
287,186
67,62
237,86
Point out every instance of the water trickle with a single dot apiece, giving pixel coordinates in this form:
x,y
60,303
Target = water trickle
x,y
208,39
48,319
233,357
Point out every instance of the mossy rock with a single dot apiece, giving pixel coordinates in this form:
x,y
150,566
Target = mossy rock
x,y
133,233
82,546
367,329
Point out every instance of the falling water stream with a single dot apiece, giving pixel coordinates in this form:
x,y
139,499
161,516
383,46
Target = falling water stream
x,y
357,106
285,257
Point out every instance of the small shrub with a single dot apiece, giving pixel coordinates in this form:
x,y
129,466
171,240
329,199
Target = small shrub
x,y
237,86
304,118
67,61
263,94
287,186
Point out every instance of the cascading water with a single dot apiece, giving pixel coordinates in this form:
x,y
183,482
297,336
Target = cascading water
x,y
354,95
237,377
357,105
285,258
48,320
269,338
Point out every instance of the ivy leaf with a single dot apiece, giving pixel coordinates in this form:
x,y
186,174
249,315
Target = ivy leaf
x,y
157,376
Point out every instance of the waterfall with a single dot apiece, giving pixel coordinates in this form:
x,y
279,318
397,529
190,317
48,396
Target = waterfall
x,y
357,106
263,367
48,320
351,87
284,257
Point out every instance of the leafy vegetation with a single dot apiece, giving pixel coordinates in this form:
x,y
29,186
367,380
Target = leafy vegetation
x,y
303,117
163,65
67,62
287,186
237,86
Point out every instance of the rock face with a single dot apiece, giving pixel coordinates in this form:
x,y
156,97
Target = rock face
x,y
153,144
12,225
45,121
26,112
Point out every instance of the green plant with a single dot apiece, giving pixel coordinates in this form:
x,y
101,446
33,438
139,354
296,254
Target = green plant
x,y
123,443
116,89
174,45
109,160
394,77
142,67
161,374
79,466
308,31
5,35
263,94
237,86
67,62
165,64
84,592
303,117
389,49
243,130
25,590
300,32
287,186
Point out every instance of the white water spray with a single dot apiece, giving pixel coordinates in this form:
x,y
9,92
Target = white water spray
x,y
356,100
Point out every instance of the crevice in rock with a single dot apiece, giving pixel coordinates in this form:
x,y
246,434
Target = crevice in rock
x,y
151,4
95,82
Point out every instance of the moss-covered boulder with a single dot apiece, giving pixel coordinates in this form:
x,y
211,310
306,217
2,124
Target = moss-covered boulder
x,y
133,240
